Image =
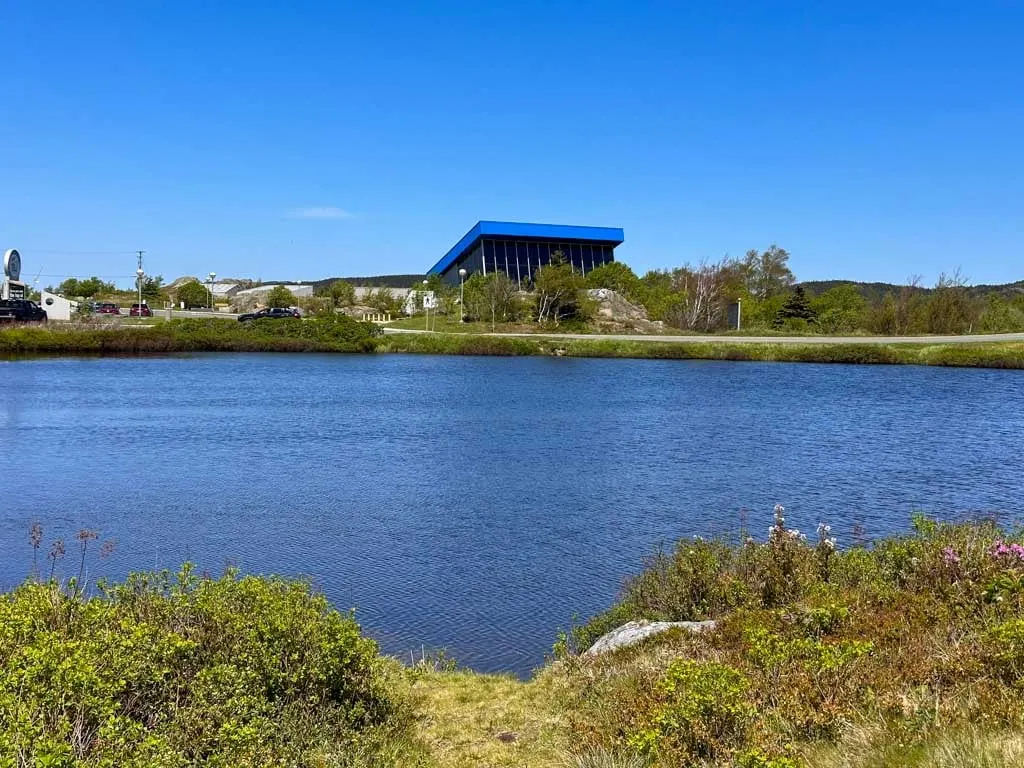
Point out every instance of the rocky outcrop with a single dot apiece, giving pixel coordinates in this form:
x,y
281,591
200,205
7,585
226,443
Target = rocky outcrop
x,y
612,306
635,631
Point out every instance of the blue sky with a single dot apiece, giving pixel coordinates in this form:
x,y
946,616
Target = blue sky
x,y
873,140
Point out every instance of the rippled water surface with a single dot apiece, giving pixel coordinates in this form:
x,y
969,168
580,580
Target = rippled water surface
x,y
478,503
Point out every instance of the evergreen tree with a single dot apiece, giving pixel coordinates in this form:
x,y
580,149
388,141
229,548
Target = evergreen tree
x,y
797,307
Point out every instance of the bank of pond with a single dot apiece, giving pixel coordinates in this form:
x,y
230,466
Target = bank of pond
x,y
907,651
341,334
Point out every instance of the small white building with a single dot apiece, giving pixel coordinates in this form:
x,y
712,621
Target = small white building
x,y
57,307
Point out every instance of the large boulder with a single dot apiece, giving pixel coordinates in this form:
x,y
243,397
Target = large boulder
x,y
613,306
635,631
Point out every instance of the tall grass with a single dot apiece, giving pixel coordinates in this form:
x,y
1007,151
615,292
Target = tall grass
x,y
342,334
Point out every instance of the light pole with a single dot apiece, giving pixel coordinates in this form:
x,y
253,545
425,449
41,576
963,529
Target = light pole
x,y
462,295
213,276
141,273
426,307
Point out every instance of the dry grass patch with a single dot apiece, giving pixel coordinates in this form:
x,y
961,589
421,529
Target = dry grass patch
x,y
469,719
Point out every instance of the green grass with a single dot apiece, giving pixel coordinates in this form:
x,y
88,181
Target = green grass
x,y
984,355
341,334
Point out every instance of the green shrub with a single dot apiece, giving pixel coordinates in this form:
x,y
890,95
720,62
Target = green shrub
x,y
702,712
184,671
1004,650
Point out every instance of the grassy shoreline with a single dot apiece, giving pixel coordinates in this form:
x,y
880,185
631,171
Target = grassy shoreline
x,y
187,336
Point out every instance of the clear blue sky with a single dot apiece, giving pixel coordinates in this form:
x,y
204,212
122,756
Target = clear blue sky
x,y
873,140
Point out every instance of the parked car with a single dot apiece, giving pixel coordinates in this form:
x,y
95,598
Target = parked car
x,y
21,311
106,308
272,312
140,310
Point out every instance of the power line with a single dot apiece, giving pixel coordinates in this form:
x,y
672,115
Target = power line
x,y
78,253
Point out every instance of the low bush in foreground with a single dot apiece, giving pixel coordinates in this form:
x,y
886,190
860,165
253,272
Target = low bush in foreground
x,y
912,641
187,671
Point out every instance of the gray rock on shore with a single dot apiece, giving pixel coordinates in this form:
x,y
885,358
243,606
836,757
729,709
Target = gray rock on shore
x,y
635,631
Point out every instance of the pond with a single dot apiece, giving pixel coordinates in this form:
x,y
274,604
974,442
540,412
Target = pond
x,y
478,504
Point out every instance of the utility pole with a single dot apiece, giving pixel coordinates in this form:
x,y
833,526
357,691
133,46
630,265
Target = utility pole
x,y
140,272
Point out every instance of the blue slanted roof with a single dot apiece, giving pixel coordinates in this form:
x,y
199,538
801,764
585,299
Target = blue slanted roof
x,y
612,235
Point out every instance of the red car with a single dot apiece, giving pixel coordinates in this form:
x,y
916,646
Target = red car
x,y
140,310
107,308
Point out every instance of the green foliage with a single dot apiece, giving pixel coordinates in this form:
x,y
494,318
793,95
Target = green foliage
x,y
702,712
841,309
559,290
341,293
86,288
491,298
796,307
950,308
1001,316
279,296
1004,649
617,277
383,300
914,631
184,671
767,273
193,294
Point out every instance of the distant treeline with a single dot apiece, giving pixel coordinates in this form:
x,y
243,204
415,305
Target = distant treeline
x,y
377,281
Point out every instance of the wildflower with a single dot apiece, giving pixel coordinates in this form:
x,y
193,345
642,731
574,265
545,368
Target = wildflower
x,y
57,550
950,557
1003,551
85,535
35,535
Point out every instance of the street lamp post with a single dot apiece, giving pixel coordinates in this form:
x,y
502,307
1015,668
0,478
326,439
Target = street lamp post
x,y
426,307
213,276
462,295
141,273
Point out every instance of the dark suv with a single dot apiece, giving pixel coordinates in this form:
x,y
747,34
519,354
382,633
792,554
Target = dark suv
x,y
106,308
273,312
140,310
21,311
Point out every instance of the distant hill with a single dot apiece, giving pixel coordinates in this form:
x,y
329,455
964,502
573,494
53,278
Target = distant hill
x,y
875,292
387,281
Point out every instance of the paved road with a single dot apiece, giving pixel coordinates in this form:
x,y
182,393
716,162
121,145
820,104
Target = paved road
x,y
697,339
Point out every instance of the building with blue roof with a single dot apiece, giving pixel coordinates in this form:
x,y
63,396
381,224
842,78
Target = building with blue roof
x,y
519,250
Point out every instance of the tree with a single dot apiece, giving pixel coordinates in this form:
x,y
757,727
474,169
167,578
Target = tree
x,y
382,300
797,307
903,311
840,309
558,289
767,273
87,288
193,294
615,276
279,296
152,287
698,297
491,297
1001,316
950,309
341,293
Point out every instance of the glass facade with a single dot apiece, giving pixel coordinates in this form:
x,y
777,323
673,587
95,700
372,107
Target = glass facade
x,y
520,259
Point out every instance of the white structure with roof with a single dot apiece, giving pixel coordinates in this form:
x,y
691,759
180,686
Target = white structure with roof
x,y
56,306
